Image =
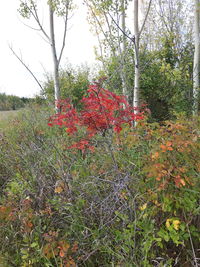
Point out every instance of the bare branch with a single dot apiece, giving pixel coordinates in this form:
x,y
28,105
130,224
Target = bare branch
x,y
161,14
65,32
97,20
110,32
36,17
24,64
32,28
145,19
132,39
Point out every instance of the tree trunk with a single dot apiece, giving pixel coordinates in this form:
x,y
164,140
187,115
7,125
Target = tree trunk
x,y
136,56
196,67
124,48
55,59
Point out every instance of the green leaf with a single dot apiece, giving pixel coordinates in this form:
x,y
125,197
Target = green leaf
x,y
34,244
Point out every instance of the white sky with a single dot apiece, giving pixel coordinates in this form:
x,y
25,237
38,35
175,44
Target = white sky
x,y
35,51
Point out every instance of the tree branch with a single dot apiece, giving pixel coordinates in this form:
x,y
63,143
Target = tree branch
x,y
36,17
110,32
97,20
24,64
65,32
132,39
145,19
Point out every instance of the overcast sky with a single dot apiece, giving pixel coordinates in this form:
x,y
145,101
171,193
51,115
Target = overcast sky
x,y
35,51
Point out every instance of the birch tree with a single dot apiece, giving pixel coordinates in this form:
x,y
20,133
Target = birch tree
x,y
59,8
107,19
124,49
196,67
117,37
136,55
101,16
136,41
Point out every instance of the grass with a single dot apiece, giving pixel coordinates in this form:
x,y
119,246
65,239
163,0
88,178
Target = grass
x,y
6,117
7,114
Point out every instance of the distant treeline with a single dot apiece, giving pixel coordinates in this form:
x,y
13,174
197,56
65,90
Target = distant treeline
x,y
11,102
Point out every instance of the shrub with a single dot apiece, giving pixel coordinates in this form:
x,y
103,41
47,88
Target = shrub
x,y
133,201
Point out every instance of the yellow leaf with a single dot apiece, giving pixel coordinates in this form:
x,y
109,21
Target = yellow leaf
x,y
60,186
143,207
182,182
58,189
176,224
168,223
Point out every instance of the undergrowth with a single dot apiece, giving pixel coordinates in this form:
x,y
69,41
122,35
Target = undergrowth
x,y
131,201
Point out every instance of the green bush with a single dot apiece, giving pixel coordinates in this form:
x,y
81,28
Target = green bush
x,y
73,84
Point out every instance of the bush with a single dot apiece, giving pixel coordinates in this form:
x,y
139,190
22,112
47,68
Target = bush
x,y
133,201
73,84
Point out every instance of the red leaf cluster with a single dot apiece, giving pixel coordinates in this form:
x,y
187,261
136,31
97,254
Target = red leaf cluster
x,y
102,110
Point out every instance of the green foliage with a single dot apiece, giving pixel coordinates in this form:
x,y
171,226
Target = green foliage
x,y
166,89
30,7
11,102
59,6
134,201
112,71
166,78
25,8
73,84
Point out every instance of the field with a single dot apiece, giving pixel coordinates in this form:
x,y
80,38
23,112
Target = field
x,y
7,114
6,117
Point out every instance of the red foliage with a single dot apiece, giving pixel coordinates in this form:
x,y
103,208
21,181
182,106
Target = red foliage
x,y
102,110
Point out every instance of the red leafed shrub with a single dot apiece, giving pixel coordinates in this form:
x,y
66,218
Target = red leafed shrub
x,y
102,110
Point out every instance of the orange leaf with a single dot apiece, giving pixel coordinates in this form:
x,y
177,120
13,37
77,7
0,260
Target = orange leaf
x,y
75,247
182,182
64,245
155,155
179,182
163,147
62,253
29,224
168,143
58,189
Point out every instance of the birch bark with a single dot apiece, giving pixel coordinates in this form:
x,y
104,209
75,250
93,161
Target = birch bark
x,y
196,67
29,8
124,48
136,57
55,59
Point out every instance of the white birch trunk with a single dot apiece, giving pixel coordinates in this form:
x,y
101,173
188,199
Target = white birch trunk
x,y
196,67
63,7
124,47
136,95
55,59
